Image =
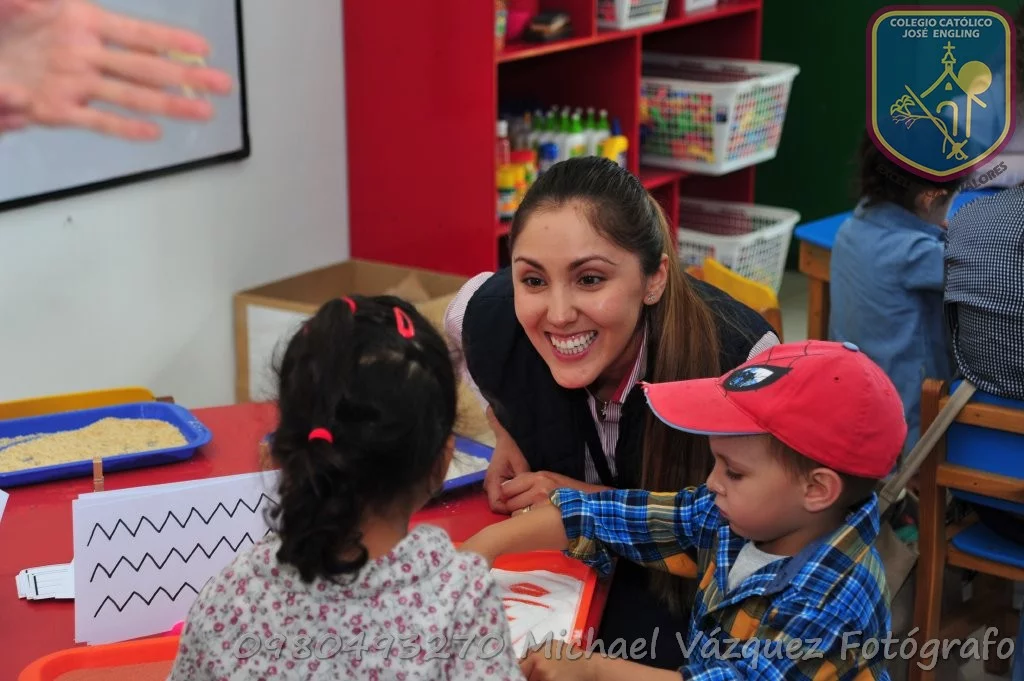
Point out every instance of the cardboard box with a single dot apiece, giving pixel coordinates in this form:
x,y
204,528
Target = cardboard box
x,y
265,318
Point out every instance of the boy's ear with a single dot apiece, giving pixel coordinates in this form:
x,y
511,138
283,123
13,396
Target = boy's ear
x,y
822,489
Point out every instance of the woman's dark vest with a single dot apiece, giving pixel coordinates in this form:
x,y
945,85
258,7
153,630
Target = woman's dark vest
x,y
552,424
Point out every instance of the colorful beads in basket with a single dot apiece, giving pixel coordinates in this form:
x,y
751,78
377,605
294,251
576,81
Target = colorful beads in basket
x,y
679,124
757,121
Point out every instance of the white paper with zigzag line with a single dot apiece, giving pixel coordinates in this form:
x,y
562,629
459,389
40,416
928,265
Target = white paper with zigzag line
x,y
143,554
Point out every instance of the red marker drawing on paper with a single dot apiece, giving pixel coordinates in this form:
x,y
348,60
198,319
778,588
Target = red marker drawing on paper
x,y
509,599
529,589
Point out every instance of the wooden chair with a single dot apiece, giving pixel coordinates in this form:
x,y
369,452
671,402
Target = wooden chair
x,y
753,294
980,459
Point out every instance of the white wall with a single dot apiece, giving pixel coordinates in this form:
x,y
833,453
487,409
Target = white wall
x,y
133,286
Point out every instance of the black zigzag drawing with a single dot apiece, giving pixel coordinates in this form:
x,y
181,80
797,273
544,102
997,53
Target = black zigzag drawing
x,y
147,601
170,514
174,552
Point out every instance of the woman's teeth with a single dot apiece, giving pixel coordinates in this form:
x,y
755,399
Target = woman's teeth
x,y
573,345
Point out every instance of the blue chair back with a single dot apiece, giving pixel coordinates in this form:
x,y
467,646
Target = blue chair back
x,y
988,450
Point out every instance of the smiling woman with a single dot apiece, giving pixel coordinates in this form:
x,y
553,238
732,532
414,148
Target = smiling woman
x,y
593,303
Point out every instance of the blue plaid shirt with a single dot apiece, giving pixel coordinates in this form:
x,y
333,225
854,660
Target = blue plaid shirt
x,y
801,618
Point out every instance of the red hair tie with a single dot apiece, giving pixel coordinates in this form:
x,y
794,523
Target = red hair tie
x,y
321,434
404,324
351,303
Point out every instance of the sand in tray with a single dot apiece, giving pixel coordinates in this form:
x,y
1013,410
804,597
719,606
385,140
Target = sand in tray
x,y
107,437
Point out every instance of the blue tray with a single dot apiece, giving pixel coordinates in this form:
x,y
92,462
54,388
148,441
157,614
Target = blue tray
x,y
473,448
195,433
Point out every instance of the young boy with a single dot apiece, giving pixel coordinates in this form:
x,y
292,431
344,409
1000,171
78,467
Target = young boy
x,y
886,278
791,586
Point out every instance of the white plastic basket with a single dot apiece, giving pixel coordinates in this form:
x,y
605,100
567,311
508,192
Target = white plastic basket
x,y
749,239
623,14
711,116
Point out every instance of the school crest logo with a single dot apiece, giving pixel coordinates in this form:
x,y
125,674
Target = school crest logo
x,y
941,87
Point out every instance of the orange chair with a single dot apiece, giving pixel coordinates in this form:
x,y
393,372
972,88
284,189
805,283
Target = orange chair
x,y
753,294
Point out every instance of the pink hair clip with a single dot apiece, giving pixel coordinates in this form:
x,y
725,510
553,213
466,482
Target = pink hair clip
x,y
321,434
404,324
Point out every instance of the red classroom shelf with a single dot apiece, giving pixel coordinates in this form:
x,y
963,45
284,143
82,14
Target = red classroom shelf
x,y
524,50
652,178
422,97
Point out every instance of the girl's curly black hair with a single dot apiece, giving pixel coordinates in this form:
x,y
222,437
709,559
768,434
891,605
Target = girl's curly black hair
x,y
882,180
388,402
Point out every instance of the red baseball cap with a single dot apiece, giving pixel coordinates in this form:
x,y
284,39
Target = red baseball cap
x,y
826,400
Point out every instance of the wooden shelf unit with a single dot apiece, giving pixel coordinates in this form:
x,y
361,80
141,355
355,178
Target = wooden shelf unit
x,y
423,89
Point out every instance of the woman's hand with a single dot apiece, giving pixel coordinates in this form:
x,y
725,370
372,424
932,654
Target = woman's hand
x,y
507,461
531,489
57,57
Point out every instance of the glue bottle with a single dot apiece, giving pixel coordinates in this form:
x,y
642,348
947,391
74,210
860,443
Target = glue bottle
x,y
503,150
576,141
562,136
538,126
600,133
614,148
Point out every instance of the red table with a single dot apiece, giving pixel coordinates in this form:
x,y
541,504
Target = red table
x,y
36,528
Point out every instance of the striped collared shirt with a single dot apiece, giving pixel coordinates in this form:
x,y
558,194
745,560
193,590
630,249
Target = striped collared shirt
x,y
607,419
800,618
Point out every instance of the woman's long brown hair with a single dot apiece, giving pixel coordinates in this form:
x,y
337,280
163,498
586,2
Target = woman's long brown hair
x,y
684,342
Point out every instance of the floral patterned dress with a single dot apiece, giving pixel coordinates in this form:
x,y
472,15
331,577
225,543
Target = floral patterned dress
x,y
423,611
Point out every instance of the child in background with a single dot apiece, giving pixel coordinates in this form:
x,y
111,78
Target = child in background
x,y
790,586
887,275
343,589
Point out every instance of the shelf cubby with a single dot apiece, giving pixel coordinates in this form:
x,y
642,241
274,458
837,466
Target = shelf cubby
x,y
424,85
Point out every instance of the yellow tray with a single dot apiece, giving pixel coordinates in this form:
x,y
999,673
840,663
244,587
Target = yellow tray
x,y
54,404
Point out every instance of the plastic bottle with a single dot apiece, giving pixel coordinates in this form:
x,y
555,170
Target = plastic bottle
x,y
547,156
562,136
521,184
590,130
538,125
507,192
576,141
528,160
600,133
519,132
614,148
503,150
550,132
